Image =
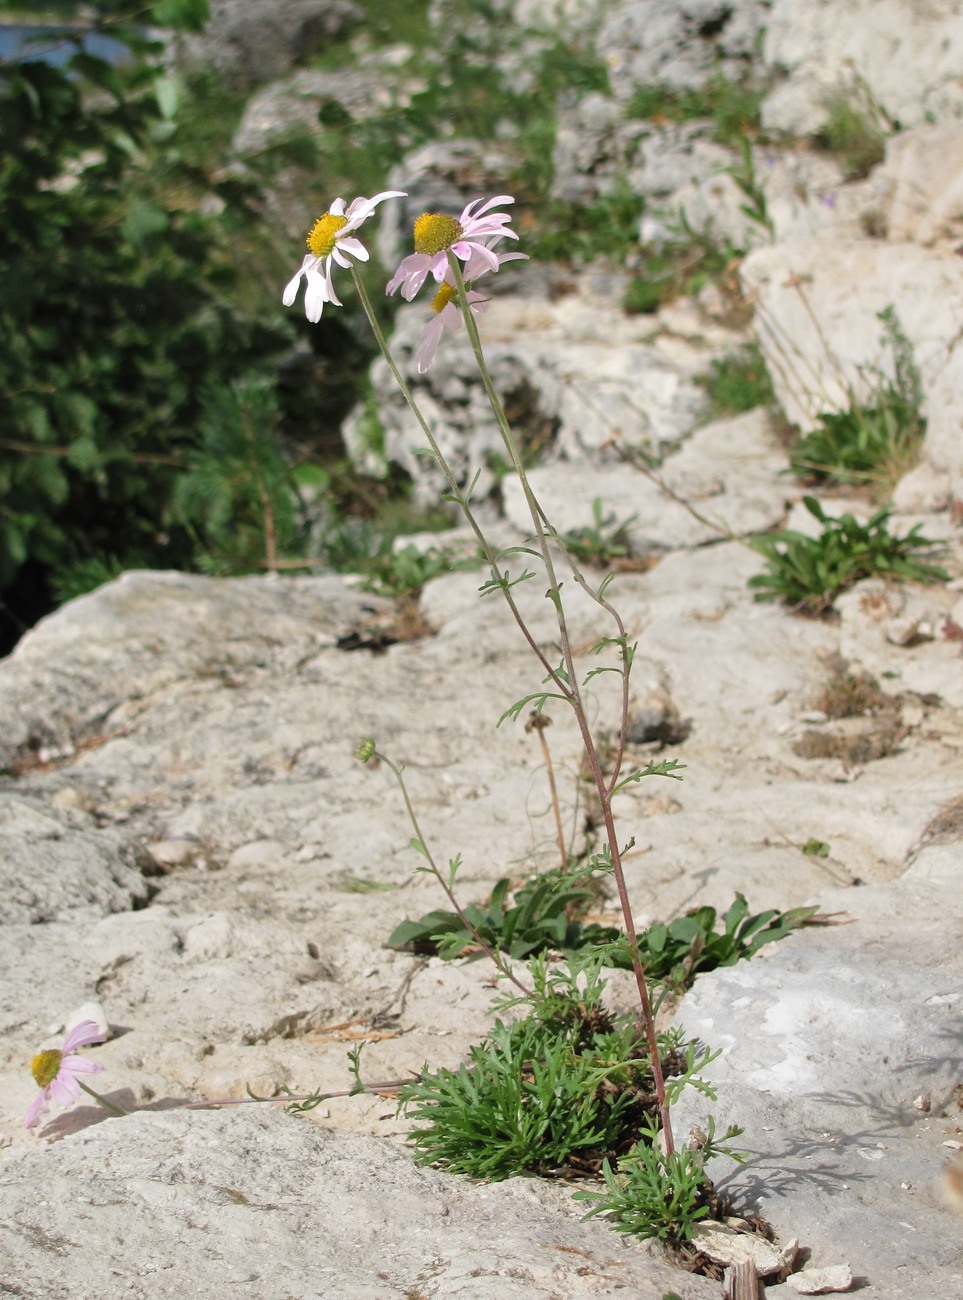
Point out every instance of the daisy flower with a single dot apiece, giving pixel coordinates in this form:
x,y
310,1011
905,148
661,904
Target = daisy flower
x,y
447,309
56,1071
331,239
470,235
447,317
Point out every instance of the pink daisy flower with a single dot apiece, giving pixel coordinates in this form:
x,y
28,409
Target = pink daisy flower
x,y
447,310
57,1072
447,317
470,235
331,239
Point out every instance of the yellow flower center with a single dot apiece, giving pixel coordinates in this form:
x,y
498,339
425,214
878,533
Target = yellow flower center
x,y
322,236
435,231
45,1067
446,294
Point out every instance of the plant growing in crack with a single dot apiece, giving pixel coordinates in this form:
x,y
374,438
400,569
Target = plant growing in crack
x,y
541,1091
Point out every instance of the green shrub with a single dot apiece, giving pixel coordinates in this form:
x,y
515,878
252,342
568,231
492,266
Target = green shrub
x,y
116,308
854,131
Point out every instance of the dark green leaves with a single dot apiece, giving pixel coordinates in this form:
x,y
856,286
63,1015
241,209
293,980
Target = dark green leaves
x,y
542,914
809,572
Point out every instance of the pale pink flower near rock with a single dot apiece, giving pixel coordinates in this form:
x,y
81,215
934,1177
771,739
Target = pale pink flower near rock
x,y
331,240
57,1072
469,236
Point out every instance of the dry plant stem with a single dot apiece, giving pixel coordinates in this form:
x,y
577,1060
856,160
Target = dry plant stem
x,y
500,963
537,723
574,695
386,1085
621,640
457,495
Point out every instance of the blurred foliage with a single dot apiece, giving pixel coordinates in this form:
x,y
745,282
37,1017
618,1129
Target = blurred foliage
x,y
119,313
737,382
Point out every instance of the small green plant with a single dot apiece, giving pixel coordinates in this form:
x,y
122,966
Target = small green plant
x,y
605,539
756,206
573,232
808,573
558,1090
404,571
237,494
815,848
526,1101
653,1195
733,106
683,265
738,382
854,130
545,914
875,441
674,954
542,913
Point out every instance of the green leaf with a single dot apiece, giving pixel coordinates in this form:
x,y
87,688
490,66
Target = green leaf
x,y
188,15
142,220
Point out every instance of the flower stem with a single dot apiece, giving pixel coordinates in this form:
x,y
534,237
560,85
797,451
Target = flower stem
x,y
102,1101
604,789
456,493
500,963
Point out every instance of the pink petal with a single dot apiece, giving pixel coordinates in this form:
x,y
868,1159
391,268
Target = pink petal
x,y
64,1089
469,215
82,1035
428,342
37,1108
465,250
439,265
79,1065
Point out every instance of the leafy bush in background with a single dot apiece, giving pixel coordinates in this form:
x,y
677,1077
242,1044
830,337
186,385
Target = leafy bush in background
x,y
115,312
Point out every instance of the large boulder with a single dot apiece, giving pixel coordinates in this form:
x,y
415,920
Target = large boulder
x,y
897,58
248,42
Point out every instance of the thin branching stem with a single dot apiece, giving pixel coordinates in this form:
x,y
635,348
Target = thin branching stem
x,y
591,752
500,964
384,1085
457,495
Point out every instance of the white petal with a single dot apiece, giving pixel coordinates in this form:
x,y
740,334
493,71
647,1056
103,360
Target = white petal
x,y
315,296
291,288
329,290
352,246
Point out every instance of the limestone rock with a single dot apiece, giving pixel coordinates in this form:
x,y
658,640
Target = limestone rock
x,y
903,56
682,45
821,1281
57,867
817,316
924,175
349,1216
249,43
